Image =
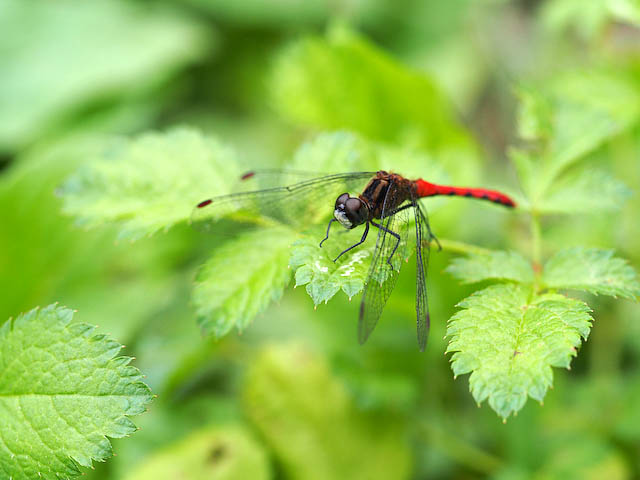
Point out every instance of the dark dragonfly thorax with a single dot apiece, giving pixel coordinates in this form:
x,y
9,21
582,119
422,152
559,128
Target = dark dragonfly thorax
x,y
375,192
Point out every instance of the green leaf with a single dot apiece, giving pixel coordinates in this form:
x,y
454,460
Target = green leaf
x,y
59,57
151,182
62,392
508,339
368,92
492,266
241,278
573,114
590,107
222,453
590,191
315,268
311,423
592,270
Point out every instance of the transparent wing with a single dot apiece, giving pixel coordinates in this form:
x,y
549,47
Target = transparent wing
x,y
264,178
423,241
301,203
382,277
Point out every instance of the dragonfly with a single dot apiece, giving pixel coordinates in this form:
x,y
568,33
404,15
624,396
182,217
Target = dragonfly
x,y
387,202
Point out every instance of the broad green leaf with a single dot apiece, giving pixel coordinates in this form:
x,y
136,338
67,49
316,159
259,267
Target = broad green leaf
x,y
62,393
151,182
59,56
508,339
592,270
342,81
241,278
492,266
223,453
310,422
589,191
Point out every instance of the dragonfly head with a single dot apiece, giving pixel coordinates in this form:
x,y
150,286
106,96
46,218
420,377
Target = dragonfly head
x,y
350,211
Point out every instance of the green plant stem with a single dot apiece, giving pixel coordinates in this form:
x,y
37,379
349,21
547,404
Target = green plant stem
x,y
536,246
462,452
454,246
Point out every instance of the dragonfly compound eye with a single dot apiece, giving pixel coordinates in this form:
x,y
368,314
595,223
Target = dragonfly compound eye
x,y
351,213
341,200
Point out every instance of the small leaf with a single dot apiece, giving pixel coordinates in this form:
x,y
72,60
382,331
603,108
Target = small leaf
x,y
590,191
241,278
592,270
222,453
62,392
509,339
151,182
315,268
307,417
492,266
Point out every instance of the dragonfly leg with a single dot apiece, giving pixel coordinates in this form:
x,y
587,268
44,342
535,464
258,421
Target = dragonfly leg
x,y
432,235
384,229
364,237
404,207
328,228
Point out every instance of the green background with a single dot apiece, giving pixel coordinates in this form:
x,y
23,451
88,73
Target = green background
x,y
295,396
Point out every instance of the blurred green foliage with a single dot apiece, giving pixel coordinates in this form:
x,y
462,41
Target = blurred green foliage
x,y
93,99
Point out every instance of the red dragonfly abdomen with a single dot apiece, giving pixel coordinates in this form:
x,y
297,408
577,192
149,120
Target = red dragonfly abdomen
x,y
427,189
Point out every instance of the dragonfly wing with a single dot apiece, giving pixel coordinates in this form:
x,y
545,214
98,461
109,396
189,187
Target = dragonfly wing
x,y
298,204
264,178
382,278
423,240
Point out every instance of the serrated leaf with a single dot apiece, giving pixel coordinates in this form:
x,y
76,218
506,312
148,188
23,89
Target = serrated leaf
x,y
573,114
492,266
241,278
151,182
223,453
60,56
576,194
62,393
307,417
508,339
315,268
369,92
592,270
